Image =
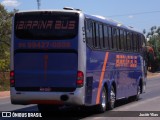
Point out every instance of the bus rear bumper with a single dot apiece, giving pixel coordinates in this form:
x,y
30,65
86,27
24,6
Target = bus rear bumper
x,y
73,98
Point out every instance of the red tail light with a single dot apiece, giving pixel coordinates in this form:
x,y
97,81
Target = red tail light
x,y
11,73
80,79
12,80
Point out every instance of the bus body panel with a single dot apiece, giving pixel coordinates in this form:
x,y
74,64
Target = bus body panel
x,y
47,69
45,63
41,63
34,97
81,53
125,75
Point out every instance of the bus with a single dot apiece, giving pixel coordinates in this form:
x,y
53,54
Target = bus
x,y
67,57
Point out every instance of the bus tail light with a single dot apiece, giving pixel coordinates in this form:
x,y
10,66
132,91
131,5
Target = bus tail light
x,y
12,80
80,79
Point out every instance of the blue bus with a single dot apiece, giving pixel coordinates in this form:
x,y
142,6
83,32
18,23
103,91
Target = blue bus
x,y
67,57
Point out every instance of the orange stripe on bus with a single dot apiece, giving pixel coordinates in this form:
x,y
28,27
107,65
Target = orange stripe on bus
x,y
101,78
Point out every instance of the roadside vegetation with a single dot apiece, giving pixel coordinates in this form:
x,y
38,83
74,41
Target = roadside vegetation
x,y
4,81
5,37
153,48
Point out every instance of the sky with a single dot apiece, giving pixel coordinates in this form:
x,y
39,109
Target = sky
x,y
140,14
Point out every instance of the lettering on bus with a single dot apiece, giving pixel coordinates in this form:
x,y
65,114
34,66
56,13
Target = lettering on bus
x,y
46,25
44,45
68,25
126,61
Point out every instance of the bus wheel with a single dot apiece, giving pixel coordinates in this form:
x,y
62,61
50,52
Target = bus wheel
x,y
138,92
137,96
112,99
103,102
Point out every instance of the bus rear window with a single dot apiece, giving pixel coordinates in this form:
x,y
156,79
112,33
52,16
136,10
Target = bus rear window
x,y
46,25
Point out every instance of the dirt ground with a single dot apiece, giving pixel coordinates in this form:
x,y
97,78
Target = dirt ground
x,y
4,94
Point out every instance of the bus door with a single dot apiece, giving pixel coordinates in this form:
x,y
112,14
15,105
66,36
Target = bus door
x,y
45,51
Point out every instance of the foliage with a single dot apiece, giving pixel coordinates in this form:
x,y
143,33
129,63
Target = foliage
x,y
5,37
153,37
4,81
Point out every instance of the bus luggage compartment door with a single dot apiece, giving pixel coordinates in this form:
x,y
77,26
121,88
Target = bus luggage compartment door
x,y
42,70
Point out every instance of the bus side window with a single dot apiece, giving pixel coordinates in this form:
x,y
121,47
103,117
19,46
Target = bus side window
x,y
110,37
121,39
132,37
142,44
102,45
125,41
89,32
118,40
106,37
97,41
94,34
114,34
128,41
138,42
135,42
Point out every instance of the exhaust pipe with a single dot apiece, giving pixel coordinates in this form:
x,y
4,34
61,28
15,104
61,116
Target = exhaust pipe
x,y
64,98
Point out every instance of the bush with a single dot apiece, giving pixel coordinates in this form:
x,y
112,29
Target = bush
x,y
4,81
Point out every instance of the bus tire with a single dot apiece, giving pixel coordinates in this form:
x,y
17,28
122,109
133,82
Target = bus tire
x,y
138,93
112,99
103,102
137,96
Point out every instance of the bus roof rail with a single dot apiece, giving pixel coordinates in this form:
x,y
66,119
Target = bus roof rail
x,y
130,26
70,8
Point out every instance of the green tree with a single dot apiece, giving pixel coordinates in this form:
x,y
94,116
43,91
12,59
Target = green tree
x,y
154,41
5,37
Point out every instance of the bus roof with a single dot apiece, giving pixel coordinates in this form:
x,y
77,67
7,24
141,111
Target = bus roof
x,y
93,17
50,10
111,22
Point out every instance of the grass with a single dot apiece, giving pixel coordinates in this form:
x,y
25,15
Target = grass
x,y
4,81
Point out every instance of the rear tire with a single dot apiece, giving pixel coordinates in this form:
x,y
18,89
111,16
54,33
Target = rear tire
x,y
112,99
103,102
137,97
